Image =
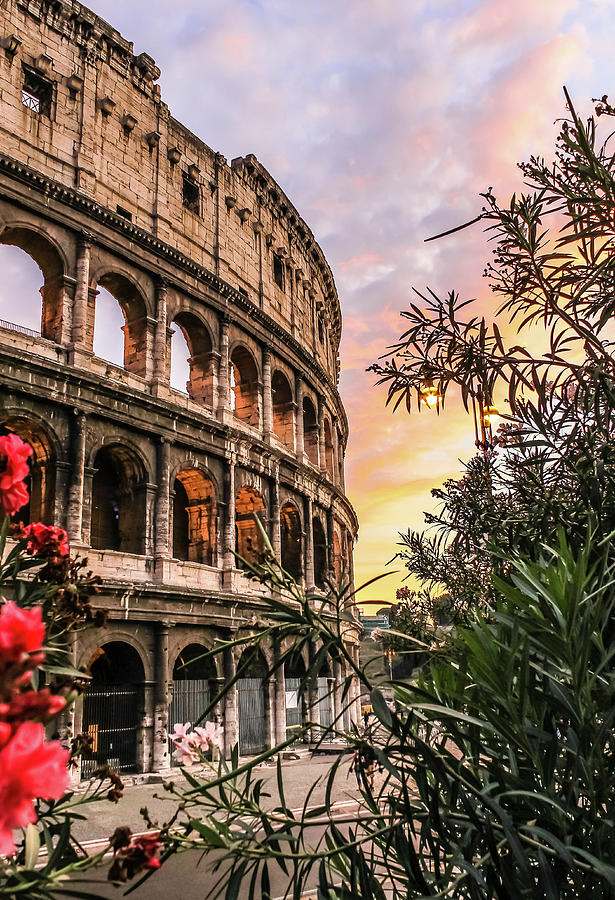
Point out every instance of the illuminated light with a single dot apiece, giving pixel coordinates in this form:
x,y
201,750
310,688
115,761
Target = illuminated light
x,y
428,394
491,417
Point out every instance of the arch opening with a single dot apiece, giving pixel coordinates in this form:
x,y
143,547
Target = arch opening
x,y
252,703
113,708
291,540
310,431
194,686
118,501
249,540
194,517
129,351
191,360
33,283
245,387
41,482
320,553
296,707
283,408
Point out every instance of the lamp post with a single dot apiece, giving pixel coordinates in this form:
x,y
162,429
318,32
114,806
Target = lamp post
x,y
486,415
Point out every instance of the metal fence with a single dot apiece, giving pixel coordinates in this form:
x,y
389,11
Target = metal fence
x,y
252,719
190,700
20,328
294,715
111,720
325,701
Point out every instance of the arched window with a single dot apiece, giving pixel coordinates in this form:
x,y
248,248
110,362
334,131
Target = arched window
x,y
320,553
191,367
248,505
290,523
328,449
283,410
244,386
41,480
194,517
310,431
129,350
31,269
118,501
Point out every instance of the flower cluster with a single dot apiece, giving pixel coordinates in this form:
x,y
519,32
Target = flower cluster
x,y
44,540
14,469
192,746
132,855
29,767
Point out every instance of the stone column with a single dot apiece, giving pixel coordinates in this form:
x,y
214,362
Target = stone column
x,y
299,437
330,544
267,396
160,336
336,449
74,513
231,723
161,698
337,695
224,374
280,705
309,543
271,711
82,285
228,536
322,457
161,522
276,529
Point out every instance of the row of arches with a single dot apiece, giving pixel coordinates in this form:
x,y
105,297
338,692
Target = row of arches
x,y
115,702
118,496
119,328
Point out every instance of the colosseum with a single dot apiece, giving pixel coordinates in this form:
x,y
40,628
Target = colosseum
x,y
129,223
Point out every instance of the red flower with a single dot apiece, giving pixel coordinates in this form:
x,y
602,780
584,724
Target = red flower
x,y
46,540
21,632
38,705
29,768
13,469
132,855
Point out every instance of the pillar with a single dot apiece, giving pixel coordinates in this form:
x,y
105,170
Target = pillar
x,y
82,285
336,451
276,528
224,372
160,334
309,543
267,396
228,537
280,705
299,438
74,513
337,695
161,520
330,545
322,457
271,709
231,724
161,698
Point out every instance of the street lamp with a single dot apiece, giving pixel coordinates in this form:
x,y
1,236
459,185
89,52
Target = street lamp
x,y
429,394
485,417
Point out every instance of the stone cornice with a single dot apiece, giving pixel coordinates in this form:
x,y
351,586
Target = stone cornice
x,y
78,201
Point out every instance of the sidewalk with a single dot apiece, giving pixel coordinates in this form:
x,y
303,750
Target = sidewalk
x,y
299,776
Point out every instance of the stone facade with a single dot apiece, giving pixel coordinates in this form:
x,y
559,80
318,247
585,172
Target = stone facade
x,y
104,189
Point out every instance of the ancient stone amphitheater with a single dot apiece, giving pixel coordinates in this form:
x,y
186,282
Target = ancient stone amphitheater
x,y
115,202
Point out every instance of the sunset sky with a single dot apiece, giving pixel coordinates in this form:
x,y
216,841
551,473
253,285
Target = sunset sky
x,y
382,120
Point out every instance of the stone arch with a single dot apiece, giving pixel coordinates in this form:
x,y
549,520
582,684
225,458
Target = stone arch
x,y
252,701
200,384
320,553
291,540
194,686
296,707
118,499
134,310
51,261
310,430
244,385
41,482
113,707
283,408
328,441
249,539
194,516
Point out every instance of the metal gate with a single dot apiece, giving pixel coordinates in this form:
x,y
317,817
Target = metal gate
x,y
293,714
111,719
252,720
325,701
190,700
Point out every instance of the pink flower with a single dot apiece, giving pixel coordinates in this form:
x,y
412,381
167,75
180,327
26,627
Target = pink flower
x,y
29,768
185,753
210,736
46,540
180,731
13,469
21,632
